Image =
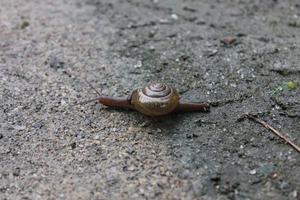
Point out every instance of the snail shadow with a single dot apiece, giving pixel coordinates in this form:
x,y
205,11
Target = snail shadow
x,y
166,125
159,125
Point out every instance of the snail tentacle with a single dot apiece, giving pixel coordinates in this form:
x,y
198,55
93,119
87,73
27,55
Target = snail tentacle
x,y
117,102
192,107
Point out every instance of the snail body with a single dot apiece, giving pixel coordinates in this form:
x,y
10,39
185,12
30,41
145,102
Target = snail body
x,y
155,99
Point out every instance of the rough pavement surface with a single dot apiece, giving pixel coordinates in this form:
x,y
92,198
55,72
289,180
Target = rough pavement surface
x,y
241,55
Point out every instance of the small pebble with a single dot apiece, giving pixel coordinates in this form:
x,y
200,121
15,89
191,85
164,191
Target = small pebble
x,y
228,40
38,125
130,149
55,62
131,168
152,48
19,128
138,65
24,24
284,185
295,194
73,145
274,175
210,52
215,178
96,137
252,172
16,172
174,16
145,124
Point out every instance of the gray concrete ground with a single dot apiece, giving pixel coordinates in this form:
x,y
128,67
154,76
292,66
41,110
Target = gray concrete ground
x,y
50,149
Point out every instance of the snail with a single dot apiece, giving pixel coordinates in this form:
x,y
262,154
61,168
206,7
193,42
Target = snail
x,y
156,99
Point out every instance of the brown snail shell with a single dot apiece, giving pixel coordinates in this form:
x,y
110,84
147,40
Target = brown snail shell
x,y
155,99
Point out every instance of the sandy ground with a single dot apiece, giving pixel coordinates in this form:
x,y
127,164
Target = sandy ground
x,y
51,149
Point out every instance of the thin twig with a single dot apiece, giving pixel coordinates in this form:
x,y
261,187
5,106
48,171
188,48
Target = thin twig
x,y
265,124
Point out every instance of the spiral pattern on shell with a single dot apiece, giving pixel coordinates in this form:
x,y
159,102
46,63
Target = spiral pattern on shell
x,y
157,90
155,99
